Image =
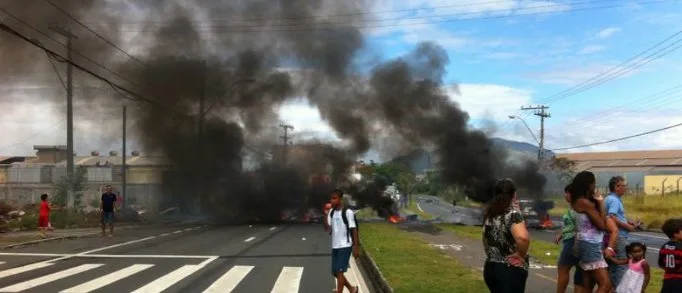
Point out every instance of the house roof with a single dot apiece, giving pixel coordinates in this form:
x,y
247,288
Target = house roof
x,y
665,160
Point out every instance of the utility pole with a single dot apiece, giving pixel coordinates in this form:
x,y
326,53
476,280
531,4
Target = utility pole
x,y
69,110
124,178
542,113
286,137
200,137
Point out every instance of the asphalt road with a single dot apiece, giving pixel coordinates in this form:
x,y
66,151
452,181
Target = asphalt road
x,y
470,216
180,258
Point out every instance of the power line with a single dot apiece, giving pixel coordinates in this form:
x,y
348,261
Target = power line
x,y
334,25
298,24
62,44
94,32
572,90
137,97
619,139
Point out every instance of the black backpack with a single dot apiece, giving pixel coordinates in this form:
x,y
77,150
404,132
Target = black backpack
x,y
345,221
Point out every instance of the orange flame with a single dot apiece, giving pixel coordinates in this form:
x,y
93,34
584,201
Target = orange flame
x,y
546,222
394,219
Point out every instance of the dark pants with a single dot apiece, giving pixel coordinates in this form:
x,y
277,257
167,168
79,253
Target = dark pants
x,y
672,286
616,272
107,218
340,260
502,278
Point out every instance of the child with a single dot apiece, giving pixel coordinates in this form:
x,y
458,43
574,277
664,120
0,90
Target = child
x,y
567,258
43,215
670,257
636,278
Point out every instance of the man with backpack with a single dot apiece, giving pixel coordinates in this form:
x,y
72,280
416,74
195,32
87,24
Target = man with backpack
x,y
341,224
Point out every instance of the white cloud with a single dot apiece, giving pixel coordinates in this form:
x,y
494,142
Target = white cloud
x,y
607,32
591,49
490,101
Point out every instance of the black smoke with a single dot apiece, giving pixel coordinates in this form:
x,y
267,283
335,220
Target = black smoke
x,y
244,59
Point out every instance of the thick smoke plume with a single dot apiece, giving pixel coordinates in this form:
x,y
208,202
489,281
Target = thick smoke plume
x,y
244,59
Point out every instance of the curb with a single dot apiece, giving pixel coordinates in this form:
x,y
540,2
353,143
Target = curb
x,y
376,279
73,236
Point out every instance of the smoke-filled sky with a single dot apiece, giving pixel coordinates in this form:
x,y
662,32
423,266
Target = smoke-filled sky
x,y
489,60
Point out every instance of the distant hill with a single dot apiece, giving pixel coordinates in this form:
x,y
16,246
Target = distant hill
x,y
421,160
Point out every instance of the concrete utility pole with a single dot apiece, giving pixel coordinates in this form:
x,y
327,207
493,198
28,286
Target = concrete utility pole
x,y
69,110
540,111
200,137
124,178
285,138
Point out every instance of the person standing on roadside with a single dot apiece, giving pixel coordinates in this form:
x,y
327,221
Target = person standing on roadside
x,y
107,209
590,220
613,203
339,221
506,241
567,258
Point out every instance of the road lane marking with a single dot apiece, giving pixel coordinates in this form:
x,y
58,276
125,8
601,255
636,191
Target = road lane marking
x,y
649,236
164,234
26,268
108,279
49,278
249,239
288,280
169,279
31,254
420,208
176,232
227,282
653,249
273,228
113,255
2,262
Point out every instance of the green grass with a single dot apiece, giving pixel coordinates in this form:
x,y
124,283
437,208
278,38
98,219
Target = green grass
x,y
409,264
539,248
653,210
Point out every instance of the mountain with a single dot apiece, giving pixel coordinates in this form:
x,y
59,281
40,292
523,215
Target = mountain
x,y
518,146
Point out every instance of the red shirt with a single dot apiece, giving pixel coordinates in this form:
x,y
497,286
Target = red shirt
x,y
670,260
44,209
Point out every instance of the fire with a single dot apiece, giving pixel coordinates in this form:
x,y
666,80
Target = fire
x,y
395,219
546,222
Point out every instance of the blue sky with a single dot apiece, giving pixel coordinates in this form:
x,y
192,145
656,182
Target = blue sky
x,y
502,64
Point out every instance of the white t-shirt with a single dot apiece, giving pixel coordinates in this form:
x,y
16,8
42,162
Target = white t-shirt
x,y
340,236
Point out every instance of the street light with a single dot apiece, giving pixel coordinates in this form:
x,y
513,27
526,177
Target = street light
x,y
526,124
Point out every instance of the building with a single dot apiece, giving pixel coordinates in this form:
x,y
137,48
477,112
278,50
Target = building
x,y
649,172
23,179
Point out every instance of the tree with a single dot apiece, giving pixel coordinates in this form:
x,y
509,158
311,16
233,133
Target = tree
x,y
78,181
564,169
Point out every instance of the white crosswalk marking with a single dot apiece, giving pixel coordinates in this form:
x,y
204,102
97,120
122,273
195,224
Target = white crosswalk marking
x,y
23,269
288,281
229,280
169,279
108,279
49,278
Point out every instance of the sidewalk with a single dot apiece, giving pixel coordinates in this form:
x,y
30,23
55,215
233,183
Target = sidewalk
x,y
13,239
541,278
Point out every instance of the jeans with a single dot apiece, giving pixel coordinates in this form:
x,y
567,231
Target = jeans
x,y
616,272
503,278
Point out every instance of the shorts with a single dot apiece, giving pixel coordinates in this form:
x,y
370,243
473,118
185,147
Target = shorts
x,y
107,218
568,258
591,256
340,260
672,286
43,221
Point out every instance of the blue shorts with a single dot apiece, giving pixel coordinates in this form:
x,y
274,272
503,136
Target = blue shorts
x,y
591,256
568,258
340,260
107,218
